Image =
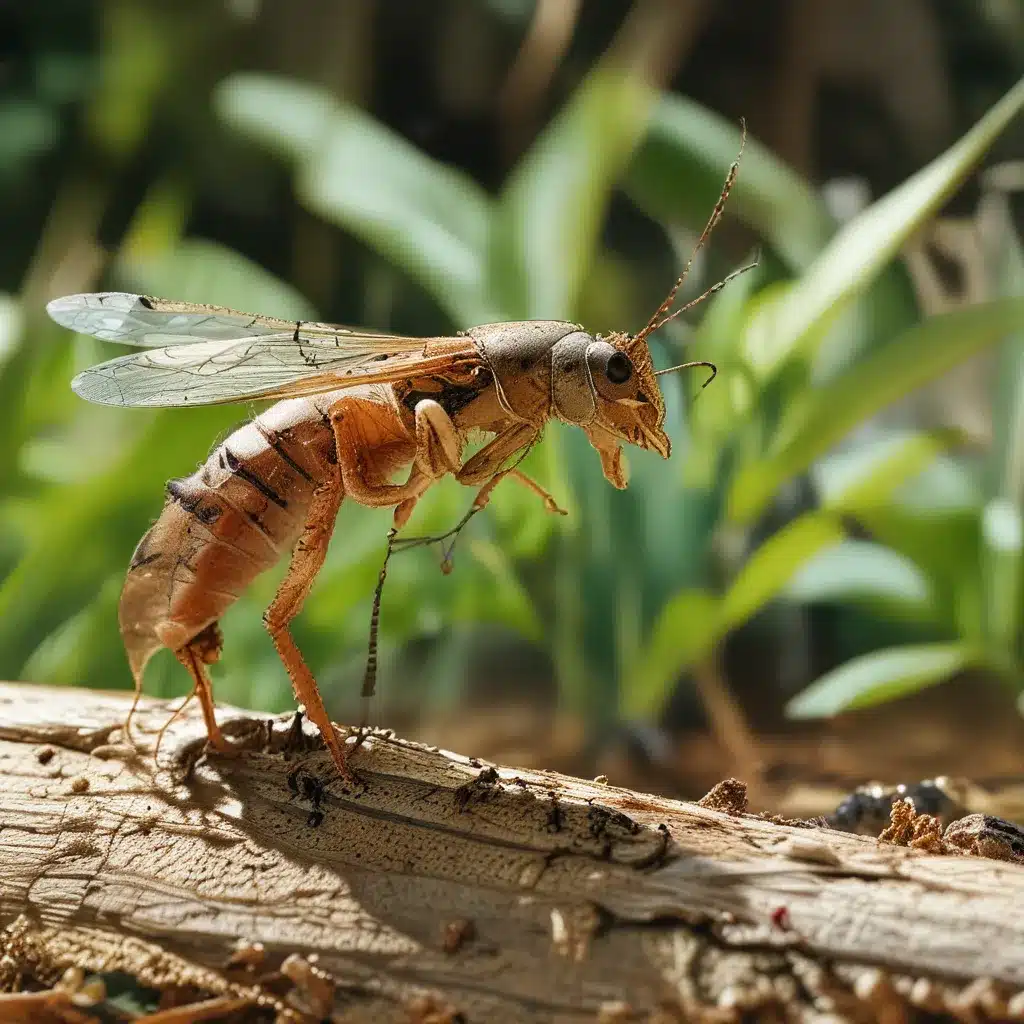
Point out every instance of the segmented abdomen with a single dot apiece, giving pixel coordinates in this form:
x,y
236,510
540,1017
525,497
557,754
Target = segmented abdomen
x,y
232,519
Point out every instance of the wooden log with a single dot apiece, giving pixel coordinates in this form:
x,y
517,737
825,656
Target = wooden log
x,y
446,889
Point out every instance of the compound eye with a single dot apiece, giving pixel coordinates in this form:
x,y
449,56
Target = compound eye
x,y
619,368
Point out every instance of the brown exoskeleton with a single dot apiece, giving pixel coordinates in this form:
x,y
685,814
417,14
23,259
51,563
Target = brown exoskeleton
x,y
356,407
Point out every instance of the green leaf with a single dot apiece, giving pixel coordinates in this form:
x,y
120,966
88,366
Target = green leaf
x,y
864,246
1002,538
685,629
881,676
1008,400
857,569
866,476
287,116
920,354
426,218
678,173
551,210
770,568
1002,557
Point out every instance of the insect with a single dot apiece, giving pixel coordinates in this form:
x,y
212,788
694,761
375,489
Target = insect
x,y
353,408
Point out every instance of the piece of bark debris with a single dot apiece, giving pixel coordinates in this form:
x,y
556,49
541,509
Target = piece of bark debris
x,y
80,784
45,755
432,1008
977,835
799,848
554,816
908,828
984,835
246,960
728,796
479,789
313,990
615,1013
456,934
573,930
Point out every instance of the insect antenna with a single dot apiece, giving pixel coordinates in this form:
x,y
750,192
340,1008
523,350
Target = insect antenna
x,y
662,315
689,366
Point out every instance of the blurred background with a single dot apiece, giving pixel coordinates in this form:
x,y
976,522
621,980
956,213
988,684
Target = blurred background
x,y
824,585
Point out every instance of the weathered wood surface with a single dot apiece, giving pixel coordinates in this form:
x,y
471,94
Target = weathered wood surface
x,y
441,888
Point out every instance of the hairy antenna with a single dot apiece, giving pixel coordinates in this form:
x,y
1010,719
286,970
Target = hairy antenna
x,y
662,315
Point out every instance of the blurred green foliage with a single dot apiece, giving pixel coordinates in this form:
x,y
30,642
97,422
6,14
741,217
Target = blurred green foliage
x,y
632,589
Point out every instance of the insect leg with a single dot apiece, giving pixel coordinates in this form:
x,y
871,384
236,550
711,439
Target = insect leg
x,y
488,461
483,468
307,558
195,656
351,441
438,445
438,452
549,502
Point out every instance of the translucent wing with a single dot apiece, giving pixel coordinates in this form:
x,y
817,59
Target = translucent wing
x,y
210,354
148,322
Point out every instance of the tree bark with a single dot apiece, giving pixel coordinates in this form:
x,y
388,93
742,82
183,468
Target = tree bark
x,y
446,886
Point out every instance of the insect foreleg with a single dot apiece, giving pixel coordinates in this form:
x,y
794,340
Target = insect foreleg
x,y
487,462
484,468
549,502
195,656
307,559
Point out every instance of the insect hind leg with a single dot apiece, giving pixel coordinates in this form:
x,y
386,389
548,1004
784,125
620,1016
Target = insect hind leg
x,y
200,651
307,559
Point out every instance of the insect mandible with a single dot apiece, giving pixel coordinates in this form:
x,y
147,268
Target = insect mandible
x,y
354,407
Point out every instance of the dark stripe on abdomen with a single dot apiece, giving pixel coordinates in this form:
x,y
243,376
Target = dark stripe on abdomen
x,y
192,502
231,462
271,438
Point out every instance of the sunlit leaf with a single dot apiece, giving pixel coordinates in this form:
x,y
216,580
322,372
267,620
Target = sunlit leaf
x,y
881,676
11,319
867,474
857,569
141,50
829,412
87,531
863,246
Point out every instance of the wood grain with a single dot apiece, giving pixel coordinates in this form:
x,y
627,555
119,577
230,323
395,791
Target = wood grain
x,y
447,886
